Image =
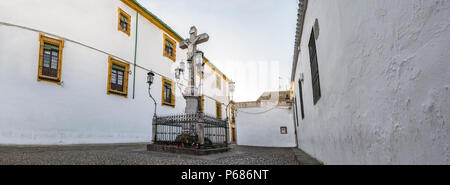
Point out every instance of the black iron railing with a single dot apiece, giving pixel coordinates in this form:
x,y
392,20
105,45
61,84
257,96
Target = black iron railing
x,y
187,130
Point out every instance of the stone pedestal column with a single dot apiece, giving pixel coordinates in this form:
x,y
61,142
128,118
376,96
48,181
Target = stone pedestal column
x,y
200,132
191,104
154,127
192,108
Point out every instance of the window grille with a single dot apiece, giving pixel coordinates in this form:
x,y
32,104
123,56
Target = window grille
x,y
124,22
50,59
169,48
118,77
218,82
314,68
300,91
168,93
218,110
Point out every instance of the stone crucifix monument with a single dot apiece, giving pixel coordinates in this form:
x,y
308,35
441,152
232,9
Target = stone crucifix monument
x,y
192,97
191,44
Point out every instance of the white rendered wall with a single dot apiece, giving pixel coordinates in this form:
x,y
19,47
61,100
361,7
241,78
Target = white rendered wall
x,y
212,94
264,129
79,111
385,78
93,23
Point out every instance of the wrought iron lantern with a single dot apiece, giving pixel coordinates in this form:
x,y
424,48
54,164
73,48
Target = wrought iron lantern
x,y
179,71
231,87
150,77
198,58
182,65
200,67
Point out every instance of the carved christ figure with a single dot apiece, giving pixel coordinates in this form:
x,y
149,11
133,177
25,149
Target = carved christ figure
x,y
193,41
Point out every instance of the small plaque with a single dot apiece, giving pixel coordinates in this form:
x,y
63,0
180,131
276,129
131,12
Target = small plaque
x,y
283,130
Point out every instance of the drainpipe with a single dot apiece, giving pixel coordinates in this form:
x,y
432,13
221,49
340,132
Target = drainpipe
x,y
135,53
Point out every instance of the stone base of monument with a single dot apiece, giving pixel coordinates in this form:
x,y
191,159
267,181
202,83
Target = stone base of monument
x,y
186,150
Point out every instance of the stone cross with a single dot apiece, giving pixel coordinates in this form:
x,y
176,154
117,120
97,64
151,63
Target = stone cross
x,y
192,42
191,45
192,101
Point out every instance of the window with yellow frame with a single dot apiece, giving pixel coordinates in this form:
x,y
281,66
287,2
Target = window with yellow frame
x,y
218,82
218,110
233,113
168,93
124,22
170,48
118,77
202,75
50,59
202,103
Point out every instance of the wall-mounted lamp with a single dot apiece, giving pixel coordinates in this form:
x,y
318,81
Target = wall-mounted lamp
x,y
179,71
231,86
150,77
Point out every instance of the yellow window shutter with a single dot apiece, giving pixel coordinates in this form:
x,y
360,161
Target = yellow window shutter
x,y
162,90
125,80
173,94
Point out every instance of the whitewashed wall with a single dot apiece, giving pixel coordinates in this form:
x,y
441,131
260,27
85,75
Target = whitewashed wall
x,y
78,111
264,129
210,89
213,94
385,78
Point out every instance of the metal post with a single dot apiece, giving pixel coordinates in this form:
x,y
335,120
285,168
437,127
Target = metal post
x,y
155,130
155,118
226,132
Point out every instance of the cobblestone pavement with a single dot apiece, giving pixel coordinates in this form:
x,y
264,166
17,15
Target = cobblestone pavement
x,y
136,154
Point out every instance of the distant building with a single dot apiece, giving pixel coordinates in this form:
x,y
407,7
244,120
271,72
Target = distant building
x,y
279,98
76,71
371,81
266,122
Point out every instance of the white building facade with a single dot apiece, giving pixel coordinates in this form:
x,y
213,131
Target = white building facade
x,y
267,122
371,81
76,72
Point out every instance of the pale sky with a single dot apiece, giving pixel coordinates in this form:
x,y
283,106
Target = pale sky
x,y
251,41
